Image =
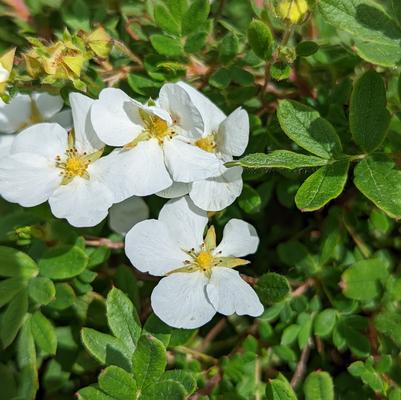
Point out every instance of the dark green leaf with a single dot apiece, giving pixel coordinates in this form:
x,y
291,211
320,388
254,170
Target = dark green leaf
x,y
14,263
261,39
195,16
118,383
249,200
165,19
166,45
278,159
149,361
380,182
63,262
277,389
41,290
186,379
319,386
9,288
13,318
308,129
107,349
91,393
272,288
369,118
307,48
123,318
44,333
165,390
324,185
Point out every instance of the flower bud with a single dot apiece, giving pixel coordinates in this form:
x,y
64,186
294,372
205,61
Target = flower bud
x,y
291,11
99,42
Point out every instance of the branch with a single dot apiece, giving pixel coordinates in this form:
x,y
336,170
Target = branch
x,y
301,366
103,242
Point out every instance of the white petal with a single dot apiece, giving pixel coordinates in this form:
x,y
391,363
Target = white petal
x,y
137,172
83,202
211,114
63,118
86,139
27,179
180,300
177,189
189,163
185,221
230,294
115,117
16,114
239,239
4,74
215,194
46,139
177,102
123,216
47,104
150,248
233,134
155,110
5,145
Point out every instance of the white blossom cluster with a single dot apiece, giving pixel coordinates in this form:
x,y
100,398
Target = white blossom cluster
x,y
175,147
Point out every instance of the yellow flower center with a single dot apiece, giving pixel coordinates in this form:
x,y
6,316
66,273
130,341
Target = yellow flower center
x,y
207,143
157,128
75,165
205,260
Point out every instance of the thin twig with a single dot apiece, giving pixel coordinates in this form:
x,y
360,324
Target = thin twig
x,y
132,56
197,354
303,288
208,388
212,334
103,242
301,366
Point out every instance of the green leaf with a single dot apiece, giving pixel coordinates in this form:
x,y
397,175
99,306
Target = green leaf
x,y
195,16
41,290
380,182
165,19
166,45
149,361
185,378
306,48
290,334
9,288
8,382
324,322
170,390
308,129
13,318
278,159
78,16
396,5
177,8
272,288
65,296
249,200
14,263
367,374
118,383
277,389
306,321
123,318
389,324
107,349
353,331
376,36
319,386
295,254
156,327
369,118
91,393
63,262
44,333
280,71
362,280
228,47
324,185
261,39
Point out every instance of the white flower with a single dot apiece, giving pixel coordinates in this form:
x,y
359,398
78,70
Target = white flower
x,y
25,110
200,279
5,145
123,216
4,74
224,137
48,163
155,140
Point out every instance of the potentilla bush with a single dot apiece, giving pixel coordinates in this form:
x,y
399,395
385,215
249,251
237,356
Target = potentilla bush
x,y
200,199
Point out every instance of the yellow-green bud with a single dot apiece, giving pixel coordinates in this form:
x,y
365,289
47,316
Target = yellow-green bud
x,y
291,11
6,66
99,42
